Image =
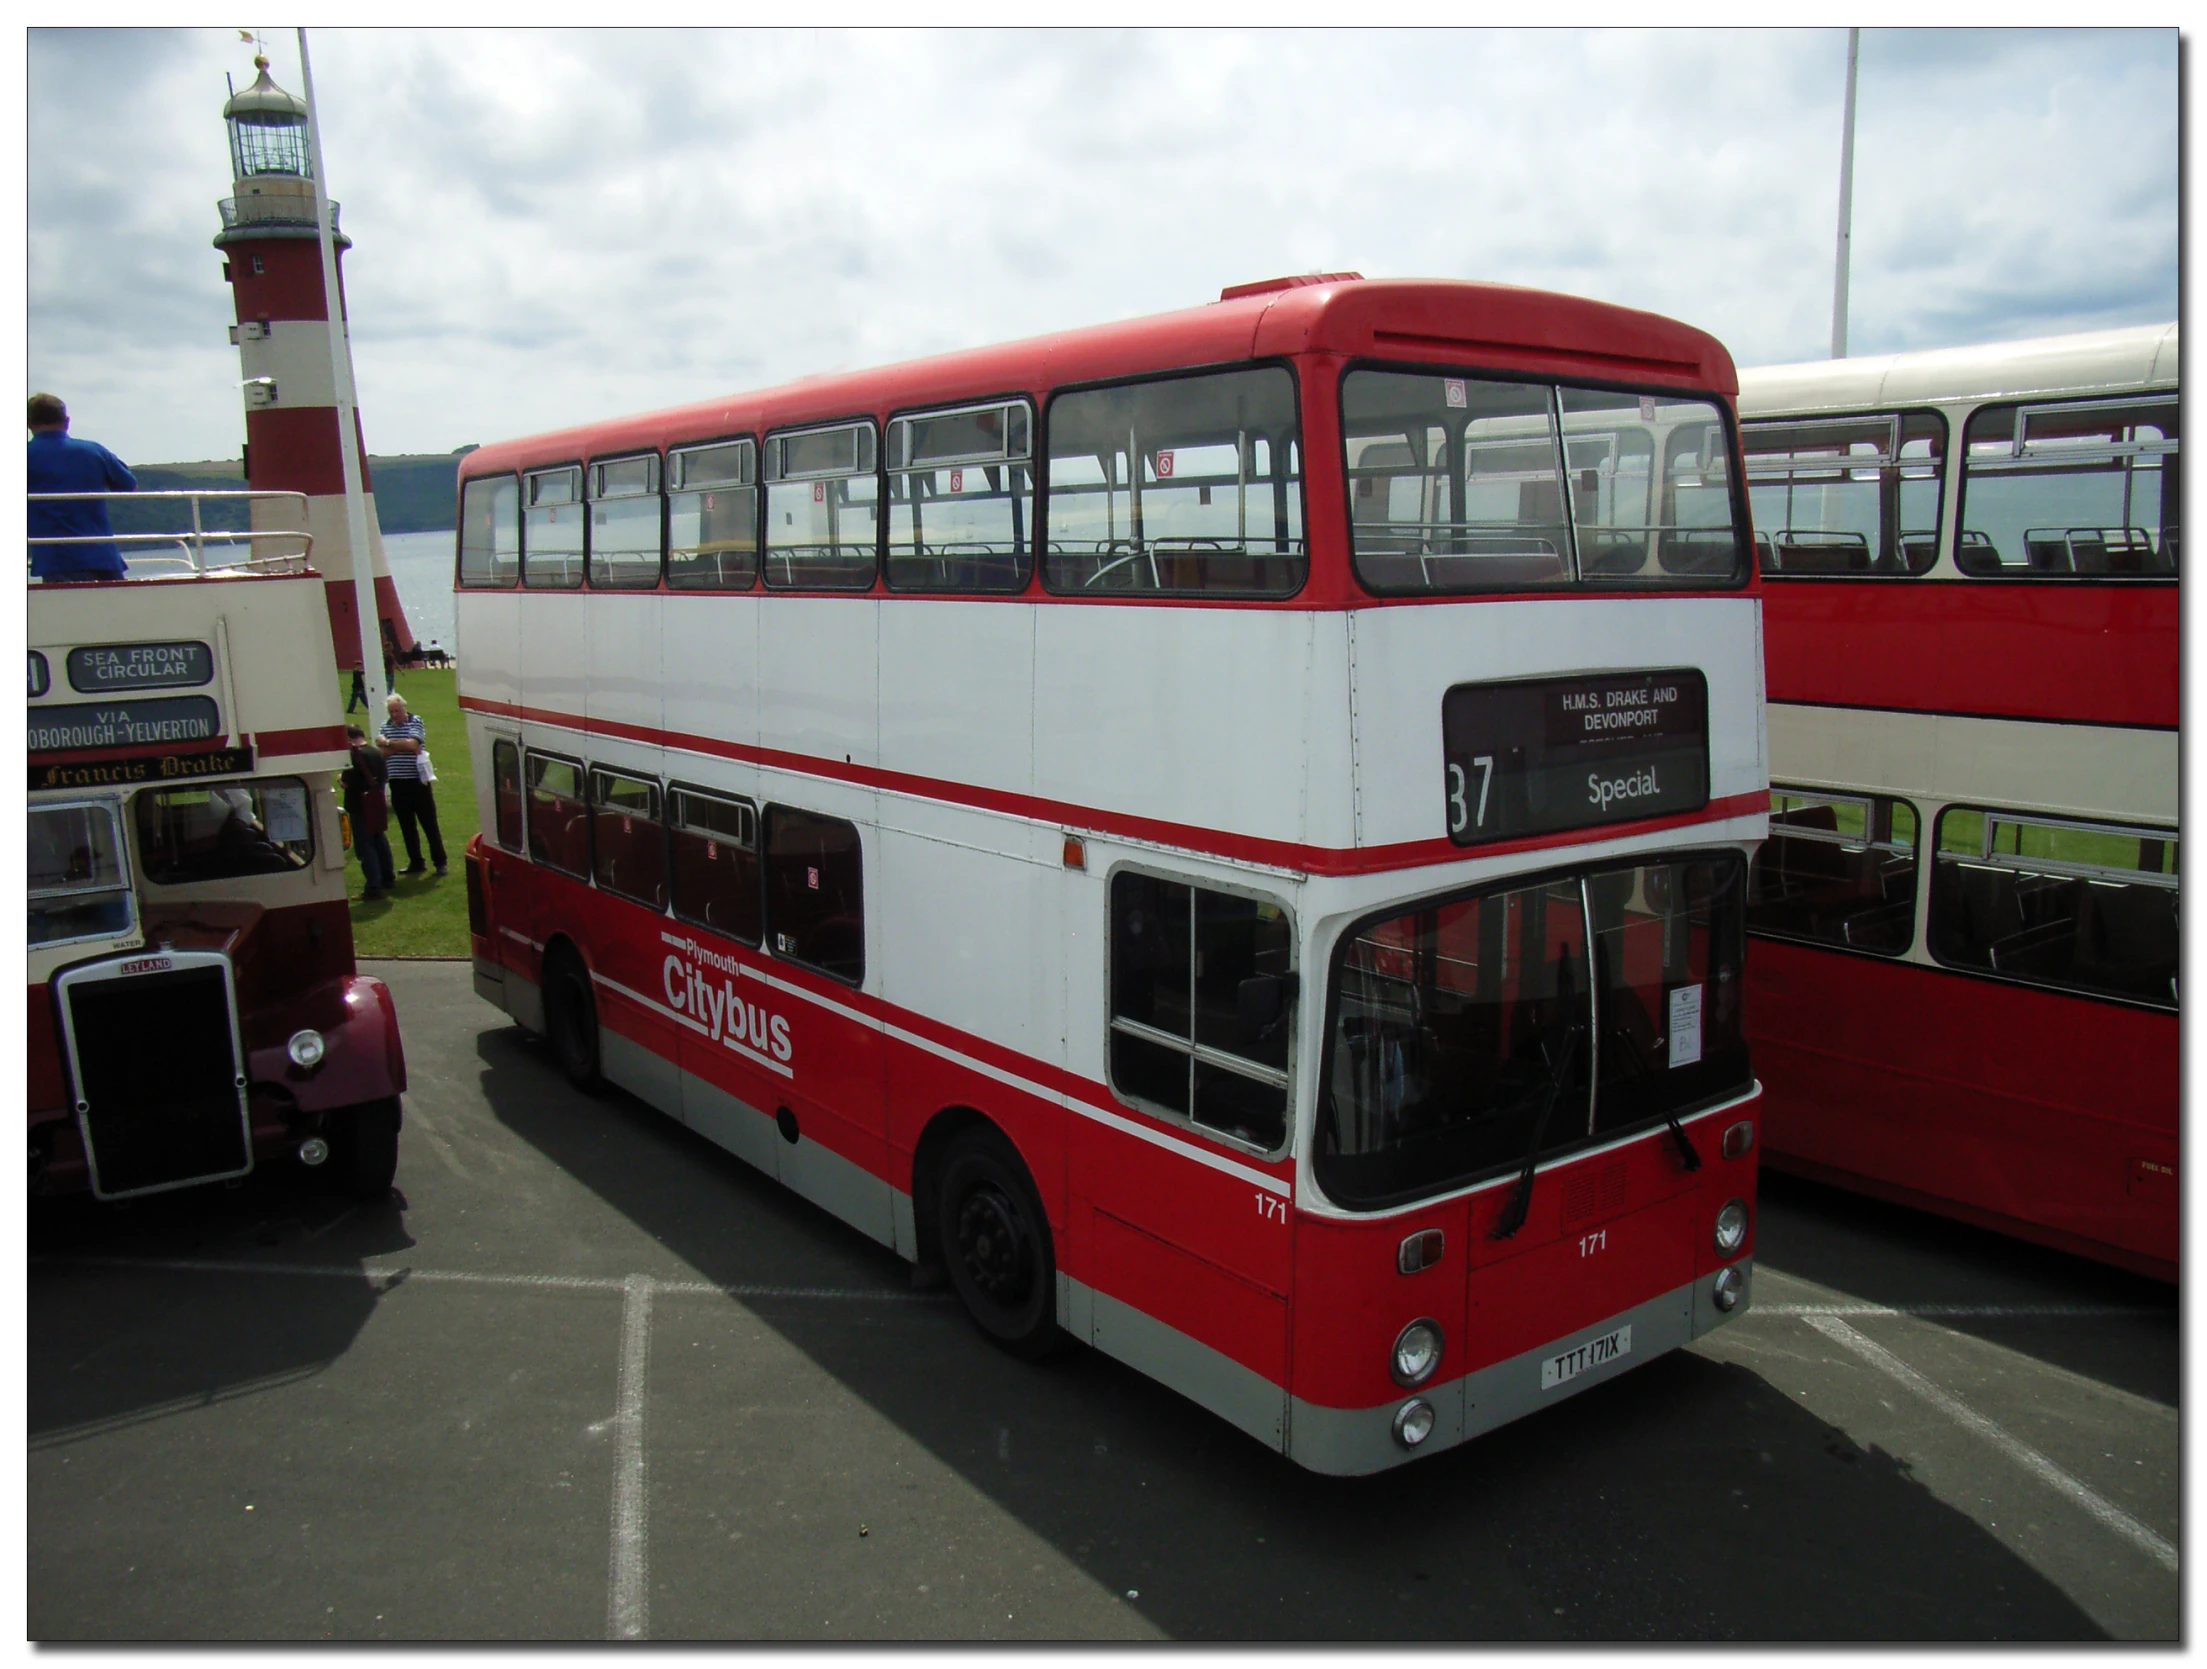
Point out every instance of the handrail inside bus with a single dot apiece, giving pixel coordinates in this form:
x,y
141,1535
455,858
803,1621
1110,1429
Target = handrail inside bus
x,y
193,557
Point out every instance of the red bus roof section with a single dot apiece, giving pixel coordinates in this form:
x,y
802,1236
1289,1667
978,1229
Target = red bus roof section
x,y
1444,321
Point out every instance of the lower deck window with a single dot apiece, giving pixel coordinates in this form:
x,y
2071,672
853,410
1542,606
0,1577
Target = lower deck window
x,y
219,831
559,816
1201,1005
505,793
2086,907
1838,869
628,847
713,860
815,904
1470,1033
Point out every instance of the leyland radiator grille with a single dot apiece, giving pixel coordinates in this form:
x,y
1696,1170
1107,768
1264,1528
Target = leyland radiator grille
x,y
153,1059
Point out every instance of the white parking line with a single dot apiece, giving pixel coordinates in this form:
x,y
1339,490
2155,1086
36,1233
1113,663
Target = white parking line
x,y
2098,1506
628,1598
1961,1312
393,1275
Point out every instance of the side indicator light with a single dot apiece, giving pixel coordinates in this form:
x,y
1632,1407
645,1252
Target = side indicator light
x,y
1420,1251
1076,853
1739,1138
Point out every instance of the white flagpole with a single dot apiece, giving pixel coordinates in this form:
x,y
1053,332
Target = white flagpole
x,y
1846,205
348,421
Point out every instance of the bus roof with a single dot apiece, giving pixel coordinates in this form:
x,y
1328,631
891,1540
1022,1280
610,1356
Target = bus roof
x,y
1444,320
2088,363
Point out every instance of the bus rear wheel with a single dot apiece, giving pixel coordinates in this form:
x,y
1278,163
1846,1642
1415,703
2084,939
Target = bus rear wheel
x,y
571,1017
995,1244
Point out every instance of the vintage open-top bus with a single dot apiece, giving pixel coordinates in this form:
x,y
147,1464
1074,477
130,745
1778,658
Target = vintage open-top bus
x,y
194,1004
1223,834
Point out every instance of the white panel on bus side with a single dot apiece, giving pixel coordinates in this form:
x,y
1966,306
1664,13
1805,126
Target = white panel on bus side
x,y
486,631
624,674
709,649
555,650
957,692
1186,715
819,671
1408,658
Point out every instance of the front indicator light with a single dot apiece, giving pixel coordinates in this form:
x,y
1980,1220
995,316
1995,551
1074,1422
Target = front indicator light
x,y
306,1049
1417,1353
1413,1422
1730,1283
1739,1138
1732,1228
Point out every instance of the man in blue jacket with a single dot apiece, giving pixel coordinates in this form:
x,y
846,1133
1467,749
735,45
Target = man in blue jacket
x,y
62,465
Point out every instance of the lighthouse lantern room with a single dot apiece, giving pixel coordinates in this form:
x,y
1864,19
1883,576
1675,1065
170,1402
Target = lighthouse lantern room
x,y
273,261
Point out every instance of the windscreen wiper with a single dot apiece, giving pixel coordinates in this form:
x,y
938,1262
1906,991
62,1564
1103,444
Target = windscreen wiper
x,y
1688,1156
1513,1214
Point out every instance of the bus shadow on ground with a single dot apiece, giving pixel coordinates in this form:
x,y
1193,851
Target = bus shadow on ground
x,y
108,1347
1895,1255
1688,1500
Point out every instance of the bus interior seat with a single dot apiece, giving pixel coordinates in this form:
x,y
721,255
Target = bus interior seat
x,y
1975,553
1697,550
2127,936
2050,551
1805,552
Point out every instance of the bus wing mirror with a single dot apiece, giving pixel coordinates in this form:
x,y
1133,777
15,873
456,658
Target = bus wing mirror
x,y
1261,1002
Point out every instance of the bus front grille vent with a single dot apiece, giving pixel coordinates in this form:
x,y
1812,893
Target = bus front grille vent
x,y
155,1062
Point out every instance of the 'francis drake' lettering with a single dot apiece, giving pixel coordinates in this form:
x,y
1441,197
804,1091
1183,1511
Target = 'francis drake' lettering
x,y
1533,756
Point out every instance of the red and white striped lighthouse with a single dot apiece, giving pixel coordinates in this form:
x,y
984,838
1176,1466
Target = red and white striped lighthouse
x,y
273,261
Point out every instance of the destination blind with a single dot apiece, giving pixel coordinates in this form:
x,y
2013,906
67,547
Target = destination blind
x,y
122,724
1538,755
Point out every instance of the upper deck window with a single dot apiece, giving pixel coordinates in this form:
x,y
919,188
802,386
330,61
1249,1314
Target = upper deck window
x,y
713,517
962,499
625,523
2079,488
823,504
1188,484
551,530
1460,484
1846,495
490,532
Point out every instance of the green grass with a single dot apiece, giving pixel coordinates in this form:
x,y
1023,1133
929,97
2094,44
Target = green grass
x,y
426,915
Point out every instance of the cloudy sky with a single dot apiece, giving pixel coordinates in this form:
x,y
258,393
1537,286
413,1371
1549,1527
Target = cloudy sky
x,y
553,227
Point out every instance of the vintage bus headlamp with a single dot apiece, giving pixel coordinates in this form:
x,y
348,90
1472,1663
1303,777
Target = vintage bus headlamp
x,y
1729,1284
1417,1353
306,1048
1732,1228
1413,1422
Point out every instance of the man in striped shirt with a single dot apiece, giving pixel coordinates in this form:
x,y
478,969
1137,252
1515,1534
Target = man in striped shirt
x,y
413,802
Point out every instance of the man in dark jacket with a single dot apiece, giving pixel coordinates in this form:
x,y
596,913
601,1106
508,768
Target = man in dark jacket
x,y
370,813
62,465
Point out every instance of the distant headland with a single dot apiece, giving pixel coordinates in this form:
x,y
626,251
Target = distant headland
x,y
414,493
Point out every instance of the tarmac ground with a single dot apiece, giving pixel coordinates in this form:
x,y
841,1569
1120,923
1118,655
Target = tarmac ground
x,y
583,1375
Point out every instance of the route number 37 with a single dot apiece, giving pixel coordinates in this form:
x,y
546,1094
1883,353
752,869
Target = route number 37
x,y
1461,816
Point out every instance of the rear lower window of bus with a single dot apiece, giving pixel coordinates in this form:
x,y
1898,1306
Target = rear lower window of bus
x,y
823,525
1190,484
1463,1034
1838,869
628,848
713,843
961,499
815,900
490,532
625,524
1846,495
80,883
559,816
505,793
713,517
1460,484
219,831
2086,488
2085,907
551,530
1202,1005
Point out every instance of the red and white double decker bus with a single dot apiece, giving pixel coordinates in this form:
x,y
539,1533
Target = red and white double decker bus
x,y
1225,834
194,1005
1965,975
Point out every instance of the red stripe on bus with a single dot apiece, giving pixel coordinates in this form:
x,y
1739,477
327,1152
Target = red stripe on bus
x,y
328,738
1220,843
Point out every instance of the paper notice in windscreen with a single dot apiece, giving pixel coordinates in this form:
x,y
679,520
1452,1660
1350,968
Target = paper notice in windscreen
x,y
1685,1046
286,813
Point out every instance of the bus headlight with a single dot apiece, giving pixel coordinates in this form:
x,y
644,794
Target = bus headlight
x,y
1413,1422
1416,1354
1727,1289
306,1049
1732,1228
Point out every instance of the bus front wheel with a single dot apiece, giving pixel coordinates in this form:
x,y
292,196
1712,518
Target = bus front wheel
x,y
364,1153
995,1243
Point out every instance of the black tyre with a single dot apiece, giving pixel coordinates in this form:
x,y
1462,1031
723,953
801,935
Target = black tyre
x,y
571,1017
363,1149
995,1244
